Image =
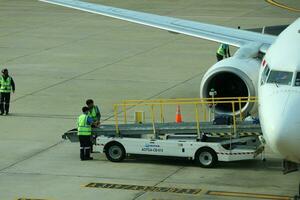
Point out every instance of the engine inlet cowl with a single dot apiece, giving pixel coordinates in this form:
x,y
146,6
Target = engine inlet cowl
x,y
232,77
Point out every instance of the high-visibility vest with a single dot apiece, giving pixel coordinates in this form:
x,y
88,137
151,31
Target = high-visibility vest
x,y
82,126
5,85
93,113
221,49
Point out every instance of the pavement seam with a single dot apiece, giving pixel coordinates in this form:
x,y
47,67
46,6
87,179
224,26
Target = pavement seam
x,y
74,176
45,49
251,11
161,181
169,13
31,156
98,68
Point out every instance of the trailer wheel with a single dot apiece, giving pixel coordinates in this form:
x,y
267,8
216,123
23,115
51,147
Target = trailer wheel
x,y
206,157
115,152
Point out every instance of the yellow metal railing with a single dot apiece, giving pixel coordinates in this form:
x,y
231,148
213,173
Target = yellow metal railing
x,y
203,102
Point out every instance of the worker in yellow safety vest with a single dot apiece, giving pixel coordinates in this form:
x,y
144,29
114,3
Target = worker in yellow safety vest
x,y
223,51
7,85
84,131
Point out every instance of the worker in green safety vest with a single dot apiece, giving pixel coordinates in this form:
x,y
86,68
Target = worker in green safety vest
x,y
7,85
84,131
94,112
223,51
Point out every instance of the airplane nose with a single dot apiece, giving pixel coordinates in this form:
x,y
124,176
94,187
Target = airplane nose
x,y
290,135
284,131
271,118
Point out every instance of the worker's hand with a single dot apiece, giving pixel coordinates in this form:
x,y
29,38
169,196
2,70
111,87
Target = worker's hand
x,y
96,124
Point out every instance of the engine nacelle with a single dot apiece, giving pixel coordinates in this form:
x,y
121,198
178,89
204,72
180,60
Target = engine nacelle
x,y
232,77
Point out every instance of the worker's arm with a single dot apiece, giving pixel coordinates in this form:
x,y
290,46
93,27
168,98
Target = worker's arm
x,y
13,85
98,114
90,121
93,123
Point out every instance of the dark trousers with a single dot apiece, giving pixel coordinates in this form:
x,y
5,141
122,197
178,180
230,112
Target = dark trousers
x,y
4,102
219,57
92,142
85,146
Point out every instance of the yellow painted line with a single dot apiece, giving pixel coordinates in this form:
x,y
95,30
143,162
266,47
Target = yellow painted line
x,y
280,5
249,195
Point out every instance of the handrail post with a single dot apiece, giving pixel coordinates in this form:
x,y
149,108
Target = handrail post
x,y
203,106
153,121
197,120
240,108
116,120
125,113
161,112
234,119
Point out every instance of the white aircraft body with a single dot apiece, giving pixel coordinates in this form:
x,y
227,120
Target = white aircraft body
x,y
275,80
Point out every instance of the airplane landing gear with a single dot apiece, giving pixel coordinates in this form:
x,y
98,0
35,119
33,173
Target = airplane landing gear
x,y
297,197
289,167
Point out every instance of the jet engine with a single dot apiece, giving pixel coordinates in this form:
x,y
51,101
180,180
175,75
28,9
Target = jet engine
x,y
232,77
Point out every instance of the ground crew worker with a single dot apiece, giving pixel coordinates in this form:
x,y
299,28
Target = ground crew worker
x,y
94,112
248,117
7,85
223,51
84,131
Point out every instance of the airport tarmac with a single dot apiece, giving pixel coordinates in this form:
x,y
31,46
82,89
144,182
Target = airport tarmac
x,y
59,57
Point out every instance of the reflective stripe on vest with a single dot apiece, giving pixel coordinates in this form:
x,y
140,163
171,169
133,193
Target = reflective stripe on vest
x,y
93,113
82,126
221,50
5,85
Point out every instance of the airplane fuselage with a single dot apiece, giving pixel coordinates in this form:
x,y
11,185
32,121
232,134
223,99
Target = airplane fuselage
x,y
279,94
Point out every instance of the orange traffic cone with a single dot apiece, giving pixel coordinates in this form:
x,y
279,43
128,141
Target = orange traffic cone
x,y
178,115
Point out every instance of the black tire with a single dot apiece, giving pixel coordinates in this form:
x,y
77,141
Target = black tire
x,y
206,157
115,152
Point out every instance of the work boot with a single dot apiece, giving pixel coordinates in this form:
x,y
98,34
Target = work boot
x,y
88,154
1,108
6,108
82,154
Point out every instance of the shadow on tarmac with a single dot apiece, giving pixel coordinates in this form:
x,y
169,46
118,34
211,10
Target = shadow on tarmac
x,y
271,164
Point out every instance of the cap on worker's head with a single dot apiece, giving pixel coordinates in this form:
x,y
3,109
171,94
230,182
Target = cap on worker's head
x,y
4,70
85,109
89,101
